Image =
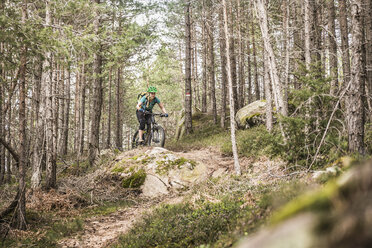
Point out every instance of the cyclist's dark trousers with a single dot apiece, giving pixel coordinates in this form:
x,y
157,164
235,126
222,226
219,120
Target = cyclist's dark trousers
x,y
143,120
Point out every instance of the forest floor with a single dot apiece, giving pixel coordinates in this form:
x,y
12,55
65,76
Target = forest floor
x,y
101,231
91,208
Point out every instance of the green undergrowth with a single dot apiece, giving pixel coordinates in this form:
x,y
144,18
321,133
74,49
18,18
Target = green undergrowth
x,y
253,142
226,210
257,141
45,229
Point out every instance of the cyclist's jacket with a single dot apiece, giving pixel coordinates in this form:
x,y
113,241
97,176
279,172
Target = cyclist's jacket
x,y
148,105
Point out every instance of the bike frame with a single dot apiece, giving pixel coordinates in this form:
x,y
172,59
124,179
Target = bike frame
x,y
150,129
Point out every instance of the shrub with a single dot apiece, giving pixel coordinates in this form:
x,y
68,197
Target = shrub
x,y
182,225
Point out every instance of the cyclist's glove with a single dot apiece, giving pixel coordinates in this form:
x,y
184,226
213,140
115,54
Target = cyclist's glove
x,y
142,110
165,115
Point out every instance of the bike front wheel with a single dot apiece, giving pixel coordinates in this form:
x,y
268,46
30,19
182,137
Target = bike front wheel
x,y
158,137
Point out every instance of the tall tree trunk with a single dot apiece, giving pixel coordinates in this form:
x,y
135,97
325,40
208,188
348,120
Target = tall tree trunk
x,y
195,72
39,129
255,65
95,115
241,44
211,70
344,42
268,95
204,56
231,97
298,41
83,88
233,57
77,108
61,107
66,117
188,90
2,119
20,215
308,33
108,141
332,46
119,125
50,181
355,113
262,18
286,49
223,68
368,36
249,67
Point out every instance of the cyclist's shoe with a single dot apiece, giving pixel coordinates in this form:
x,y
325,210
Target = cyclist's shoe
x,y
141,142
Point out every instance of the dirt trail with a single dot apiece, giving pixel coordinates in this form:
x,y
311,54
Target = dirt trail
x,y
104,230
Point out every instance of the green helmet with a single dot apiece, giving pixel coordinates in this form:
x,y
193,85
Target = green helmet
x,y
152,89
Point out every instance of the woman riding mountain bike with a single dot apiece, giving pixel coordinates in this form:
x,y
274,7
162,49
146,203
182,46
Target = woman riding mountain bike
x,y
146,104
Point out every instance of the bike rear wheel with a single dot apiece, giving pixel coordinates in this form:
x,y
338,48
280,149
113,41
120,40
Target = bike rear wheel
x,y
158,137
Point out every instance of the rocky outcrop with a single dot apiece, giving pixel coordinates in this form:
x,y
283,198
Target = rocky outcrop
x,y
252,114
338,215
162,172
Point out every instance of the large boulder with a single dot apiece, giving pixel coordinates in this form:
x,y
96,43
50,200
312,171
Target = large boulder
x,y
252,114
338,215
157,172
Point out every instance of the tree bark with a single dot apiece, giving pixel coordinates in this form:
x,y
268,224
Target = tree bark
x,y
286,44
66,116
233,57
95,115
119,124
255,65
344,42
223,69
332,46
355,107
204,57
20,215
39,130
262,18
268,95
241,77
210,65
83,89
50,181
308,33
368,38
77,111
188,90
108,141
249,67
231,97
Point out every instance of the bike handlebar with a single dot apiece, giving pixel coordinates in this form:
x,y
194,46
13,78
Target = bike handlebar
x,y
157,114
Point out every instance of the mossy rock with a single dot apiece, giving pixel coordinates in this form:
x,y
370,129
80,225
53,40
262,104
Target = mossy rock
x,y
316,201
164,166
252,114
135,180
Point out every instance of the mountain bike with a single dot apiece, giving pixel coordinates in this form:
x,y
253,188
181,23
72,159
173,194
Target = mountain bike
x,y
154,135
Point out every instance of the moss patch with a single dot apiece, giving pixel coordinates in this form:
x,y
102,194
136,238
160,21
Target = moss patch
x,y
135,180
166,165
